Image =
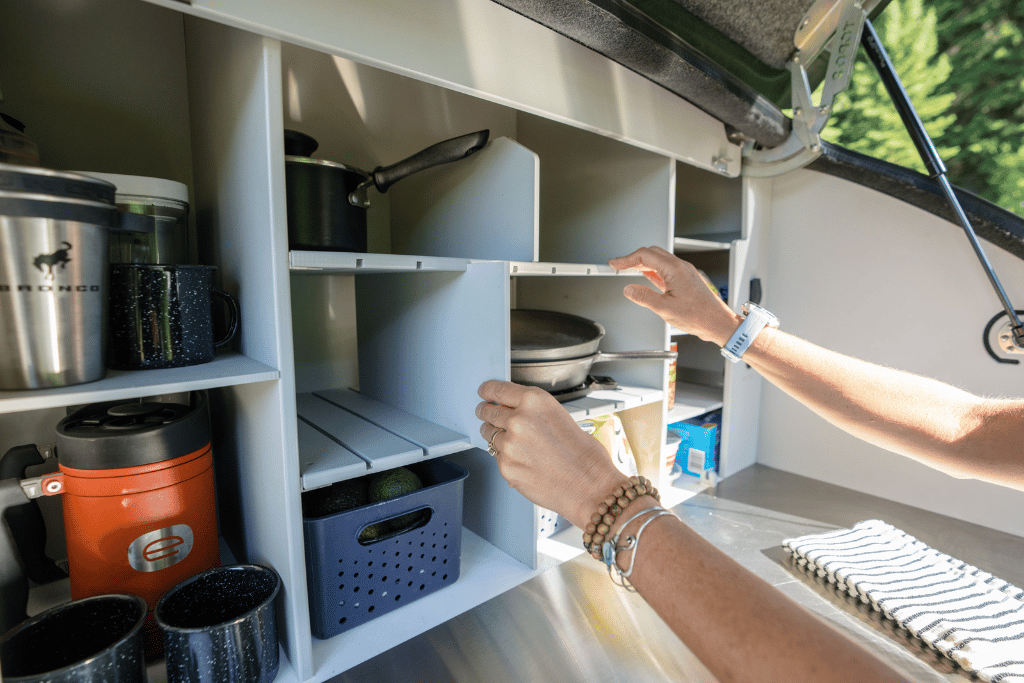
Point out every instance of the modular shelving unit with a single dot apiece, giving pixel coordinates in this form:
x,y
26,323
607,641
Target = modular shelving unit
x,y
586,161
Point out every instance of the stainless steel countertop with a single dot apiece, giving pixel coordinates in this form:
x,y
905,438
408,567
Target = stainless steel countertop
x,y
570,624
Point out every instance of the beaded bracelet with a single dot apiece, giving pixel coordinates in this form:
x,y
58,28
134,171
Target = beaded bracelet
x,y
610,509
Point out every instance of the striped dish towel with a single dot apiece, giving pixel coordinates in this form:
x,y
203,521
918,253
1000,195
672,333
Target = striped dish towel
x,y
970,616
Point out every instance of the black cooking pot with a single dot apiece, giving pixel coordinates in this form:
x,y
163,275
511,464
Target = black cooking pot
x,y
327,201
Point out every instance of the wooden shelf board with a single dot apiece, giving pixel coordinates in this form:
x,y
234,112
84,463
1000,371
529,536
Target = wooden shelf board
x,y
226,369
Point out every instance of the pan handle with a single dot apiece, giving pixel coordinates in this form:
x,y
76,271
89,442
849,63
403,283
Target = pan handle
x,y
636,355
435,155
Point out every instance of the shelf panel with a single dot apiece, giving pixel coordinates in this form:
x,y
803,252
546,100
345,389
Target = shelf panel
x,y
605,401
693,400
527,268
713,242
226,369
343,434
485,572
435,440
351,262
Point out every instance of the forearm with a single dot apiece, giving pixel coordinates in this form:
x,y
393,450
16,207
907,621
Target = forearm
x,y
741,628
932,422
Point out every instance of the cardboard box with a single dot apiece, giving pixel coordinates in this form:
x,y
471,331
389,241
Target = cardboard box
x,y
698,449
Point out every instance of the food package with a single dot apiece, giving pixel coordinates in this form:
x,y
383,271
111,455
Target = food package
x,y
608,430
700,443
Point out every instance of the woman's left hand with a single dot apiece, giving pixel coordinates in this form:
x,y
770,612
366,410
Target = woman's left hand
x,y
543,453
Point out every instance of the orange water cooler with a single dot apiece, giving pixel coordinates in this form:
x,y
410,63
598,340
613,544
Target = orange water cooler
x,y
138,498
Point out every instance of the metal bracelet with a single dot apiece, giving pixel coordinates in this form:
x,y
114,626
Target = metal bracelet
x,y
610,549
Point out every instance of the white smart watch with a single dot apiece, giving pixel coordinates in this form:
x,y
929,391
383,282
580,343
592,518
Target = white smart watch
x,y
757,319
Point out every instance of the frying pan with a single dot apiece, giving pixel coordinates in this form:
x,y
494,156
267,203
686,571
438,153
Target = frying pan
x,y
554,351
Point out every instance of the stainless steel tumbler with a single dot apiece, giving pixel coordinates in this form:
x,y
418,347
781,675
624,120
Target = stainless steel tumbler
x,y
54,235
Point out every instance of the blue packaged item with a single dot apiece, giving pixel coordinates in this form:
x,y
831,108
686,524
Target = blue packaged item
x,y
701,441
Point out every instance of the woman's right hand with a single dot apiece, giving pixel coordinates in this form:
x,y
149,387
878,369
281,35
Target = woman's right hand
x,y
688,301
543,453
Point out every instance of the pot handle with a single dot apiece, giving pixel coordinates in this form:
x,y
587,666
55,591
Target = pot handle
x,y
636,355
233,316
435,155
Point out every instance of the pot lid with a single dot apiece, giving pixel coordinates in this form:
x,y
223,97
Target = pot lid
x,y
50,185
320,162
137,186
118,434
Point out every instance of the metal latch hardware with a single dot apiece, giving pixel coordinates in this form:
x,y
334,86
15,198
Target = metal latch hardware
x,y
804,143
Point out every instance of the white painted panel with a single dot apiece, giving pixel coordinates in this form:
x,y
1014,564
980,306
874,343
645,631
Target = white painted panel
x,y
708,205
380,448
428,340
350,262
872,277
481,48
742,386
100,86
599,198
227,368
235,109
323,461
324,328
482,207
435,440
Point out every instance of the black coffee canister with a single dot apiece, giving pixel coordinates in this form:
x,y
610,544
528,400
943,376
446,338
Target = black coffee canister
x,y
85,641
220,627
160,316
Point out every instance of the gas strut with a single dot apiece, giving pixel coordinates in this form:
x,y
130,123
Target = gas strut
x,y
931,159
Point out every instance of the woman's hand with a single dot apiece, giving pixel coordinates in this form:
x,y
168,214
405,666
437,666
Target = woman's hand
x,y
688,301
543,453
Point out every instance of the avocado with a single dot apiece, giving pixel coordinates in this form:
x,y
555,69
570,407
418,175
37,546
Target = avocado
x,y
391,484
372,532
338,497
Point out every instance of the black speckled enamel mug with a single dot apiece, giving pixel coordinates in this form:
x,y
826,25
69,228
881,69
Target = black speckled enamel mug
x,y
83,641
161,316
219,626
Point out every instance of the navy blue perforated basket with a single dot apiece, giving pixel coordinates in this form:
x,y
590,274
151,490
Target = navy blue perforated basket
x,y
352,582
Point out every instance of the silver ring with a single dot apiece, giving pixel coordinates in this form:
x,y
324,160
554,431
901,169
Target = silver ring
x,y
490,442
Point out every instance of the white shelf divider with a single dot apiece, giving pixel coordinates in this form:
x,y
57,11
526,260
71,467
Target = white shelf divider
x,y
226,369
523,268
689,245
485,206
352,262
693,400
606,401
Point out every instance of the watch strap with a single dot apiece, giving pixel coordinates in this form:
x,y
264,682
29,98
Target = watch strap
x,y
756,319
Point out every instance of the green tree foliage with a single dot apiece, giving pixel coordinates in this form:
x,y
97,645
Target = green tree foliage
x,y
963,67
865,119
985,42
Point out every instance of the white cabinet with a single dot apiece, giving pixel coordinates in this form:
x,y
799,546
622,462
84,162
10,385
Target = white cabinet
x,y
586,161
